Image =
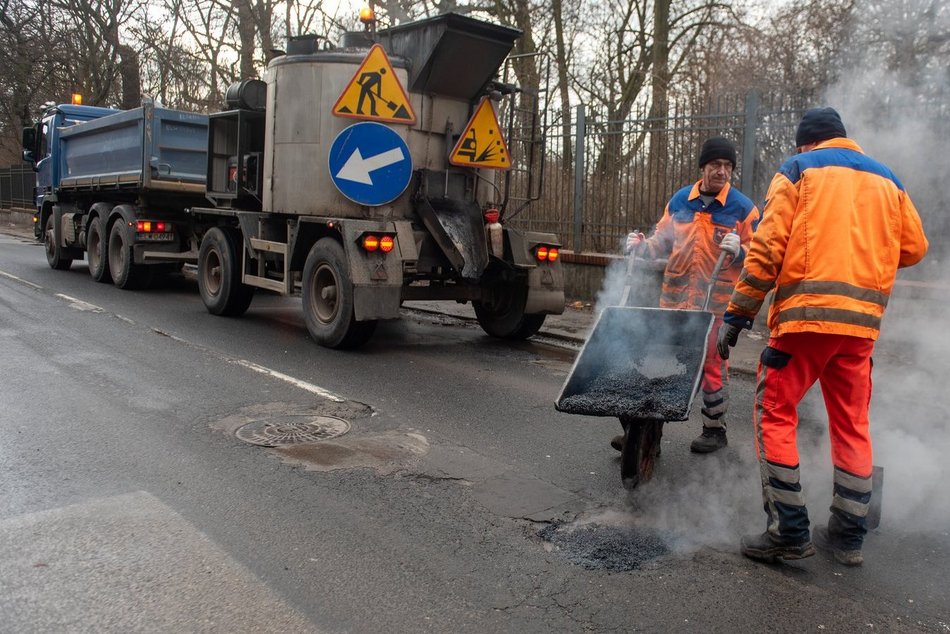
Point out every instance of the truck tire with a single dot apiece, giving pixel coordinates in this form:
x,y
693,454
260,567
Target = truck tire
x,y
54,252
504,317
125,273
219,273
96,255
327,293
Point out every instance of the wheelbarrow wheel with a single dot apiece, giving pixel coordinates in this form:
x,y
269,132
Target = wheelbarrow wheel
x,y
641,446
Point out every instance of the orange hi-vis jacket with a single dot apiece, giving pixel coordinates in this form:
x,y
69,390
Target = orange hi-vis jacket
x,y
836,227
689,234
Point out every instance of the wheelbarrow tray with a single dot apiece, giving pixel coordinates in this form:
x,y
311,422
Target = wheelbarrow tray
x,y
642,363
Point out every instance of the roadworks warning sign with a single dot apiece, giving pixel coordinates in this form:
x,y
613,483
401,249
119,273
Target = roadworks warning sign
x,y
482,143
374,93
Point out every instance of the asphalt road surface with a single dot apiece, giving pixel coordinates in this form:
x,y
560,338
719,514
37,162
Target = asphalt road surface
x,y
457,499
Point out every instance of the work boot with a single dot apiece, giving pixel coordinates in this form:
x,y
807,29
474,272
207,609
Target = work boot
x,y
763,547
826,542
617,442
710,440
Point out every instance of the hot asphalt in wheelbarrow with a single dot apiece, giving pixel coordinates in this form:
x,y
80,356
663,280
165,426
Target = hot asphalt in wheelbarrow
x,y
642,363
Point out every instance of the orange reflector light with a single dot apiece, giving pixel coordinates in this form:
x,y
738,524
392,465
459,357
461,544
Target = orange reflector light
x,y
542,253
553,252
386,244
370,243
367,14
77,99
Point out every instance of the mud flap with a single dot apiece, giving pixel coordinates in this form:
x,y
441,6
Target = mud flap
x,y
459,230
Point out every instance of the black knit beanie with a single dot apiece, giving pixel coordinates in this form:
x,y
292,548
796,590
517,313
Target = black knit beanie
x,y
718,148
819,124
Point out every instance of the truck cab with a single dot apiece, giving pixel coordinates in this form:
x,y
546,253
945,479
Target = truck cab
x,y
39,142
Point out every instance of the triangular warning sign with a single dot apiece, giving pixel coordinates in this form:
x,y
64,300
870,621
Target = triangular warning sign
x,y
374,93
482,143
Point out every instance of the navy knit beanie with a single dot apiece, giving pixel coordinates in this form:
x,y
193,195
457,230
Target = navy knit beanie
x,y
718,148
819,124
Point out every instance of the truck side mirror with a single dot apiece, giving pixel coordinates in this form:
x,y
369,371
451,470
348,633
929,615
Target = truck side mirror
x,y
29,145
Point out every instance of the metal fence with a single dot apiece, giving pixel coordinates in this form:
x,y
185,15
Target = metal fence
x,y
16,187
604,178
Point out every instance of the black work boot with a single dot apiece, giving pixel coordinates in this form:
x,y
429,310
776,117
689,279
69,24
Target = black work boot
x,y
710,440
826,542
763,547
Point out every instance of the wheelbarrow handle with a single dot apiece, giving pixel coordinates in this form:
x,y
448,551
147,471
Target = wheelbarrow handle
x,y
628,282
712,278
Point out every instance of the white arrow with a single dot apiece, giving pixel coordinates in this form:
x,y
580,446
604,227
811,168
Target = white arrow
x,y
357,168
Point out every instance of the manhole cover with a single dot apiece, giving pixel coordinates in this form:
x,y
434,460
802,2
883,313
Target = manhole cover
x,y
605,547
292,430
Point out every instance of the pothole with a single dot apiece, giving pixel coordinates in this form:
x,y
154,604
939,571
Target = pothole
x,y
597,547
292,429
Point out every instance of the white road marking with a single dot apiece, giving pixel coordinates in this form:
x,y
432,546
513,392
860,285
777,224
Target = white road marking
x,y
250,365
78,304
21,281
310,387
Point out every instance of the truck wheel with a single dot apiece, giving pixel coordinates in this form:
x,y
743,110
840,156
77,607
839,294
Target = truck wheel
x,y
504,317
54,252
219,273
641,445
96,255
126,274
327,292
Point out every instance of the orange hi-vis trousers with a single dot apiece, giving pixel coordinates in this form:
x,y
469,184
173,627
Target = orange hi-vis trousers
x,y
715,382
788,367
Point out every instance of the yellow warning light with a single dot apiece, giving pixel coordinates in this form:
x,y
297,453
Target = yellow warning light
x,y
367,15
77,99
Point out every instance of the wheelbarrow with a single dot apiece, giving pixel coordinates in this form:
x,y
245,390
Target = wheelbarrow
x,y
644,366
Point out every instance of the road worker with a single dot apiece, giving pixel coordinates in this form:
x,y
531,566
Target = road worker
x,y
699,222
836,227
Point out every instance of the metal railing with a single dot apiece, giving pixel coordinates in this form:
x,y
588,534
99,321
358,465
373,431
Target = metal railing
x,y
612,176
16,187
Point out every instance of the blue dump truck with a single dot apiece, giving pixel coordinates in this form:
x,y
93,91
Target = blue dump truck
x,y
113,186
360,178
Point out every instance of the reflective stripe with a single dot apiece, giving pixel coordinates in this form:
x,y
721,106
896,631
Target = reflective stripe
x,y
836,315
791,498
791,475
758,284
746,303
851,482
849,506
679,281
814,287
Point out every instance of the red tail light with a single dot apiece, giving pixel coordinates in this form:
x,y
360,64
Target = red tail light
x,y
547,253
386,244
370,243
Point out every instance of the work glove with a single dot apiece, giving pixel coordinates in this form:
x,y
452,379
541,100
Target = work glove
x,y
730,244
727,338
634,240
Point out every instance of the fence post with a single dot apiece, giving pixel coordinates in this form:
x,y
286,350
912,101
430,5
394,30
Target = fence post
x,y
747,183
579,168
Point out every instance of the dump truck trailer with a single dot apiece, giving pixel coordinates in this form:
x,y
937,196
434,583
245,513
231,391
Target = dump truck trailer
x,y
350,176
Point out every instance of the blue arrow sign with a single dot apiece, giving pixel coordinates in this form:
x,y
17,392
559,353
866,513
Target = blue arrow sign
x,y
369,163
